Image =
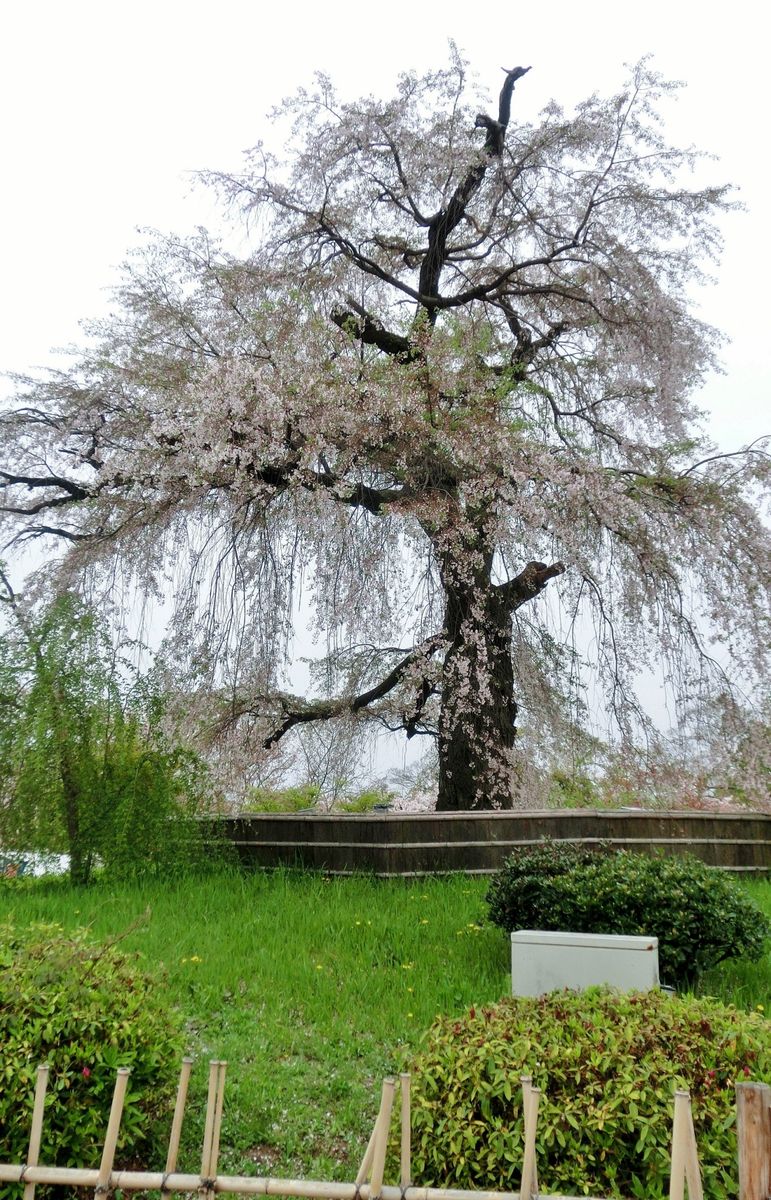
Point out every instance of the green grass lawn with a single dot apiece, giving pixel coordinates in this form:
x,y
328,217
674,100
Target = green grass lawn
x,y
312,989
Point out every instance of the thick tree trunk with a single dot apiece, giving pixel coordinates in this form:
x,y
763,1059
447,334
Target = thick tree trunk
x,y
80,867
478,713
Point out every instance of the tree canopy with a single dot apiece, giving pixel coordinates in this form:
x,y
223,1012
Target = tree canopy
x,y
453,371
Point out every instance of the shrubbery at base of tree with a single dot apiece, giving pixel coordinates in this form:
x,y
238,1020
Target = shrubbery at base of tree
x,y
608,1064
85,1009
698,914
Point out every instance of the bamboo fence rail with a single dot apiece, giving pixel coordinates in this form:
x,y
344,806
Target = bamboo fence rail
x,y
754,1133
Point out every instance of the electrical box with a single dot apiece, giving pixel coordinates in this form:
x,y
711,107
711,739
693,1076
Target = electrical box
x,y
548,961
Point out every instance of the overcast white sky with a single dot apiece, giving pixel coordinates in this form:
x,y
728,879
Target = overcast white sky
x,y
109,107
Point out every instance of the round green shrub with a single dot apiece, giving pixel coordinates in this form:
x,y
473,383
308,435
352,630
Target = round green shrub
x,y
85,1009
608,1064
698,913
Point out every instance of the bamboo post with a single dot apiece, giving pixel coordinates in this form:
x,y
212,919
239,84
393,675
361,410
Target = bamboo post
x,y
753,1131
113,1128
211,1101
215,1141
692,1169
366,1162
677,1163
211,1133
405,1177
179,1113
380,1146
36,1132
530,1098
685,1158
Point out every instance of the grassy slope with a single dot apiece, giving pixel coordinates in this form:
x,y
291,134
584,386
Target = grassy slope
x,y
312,990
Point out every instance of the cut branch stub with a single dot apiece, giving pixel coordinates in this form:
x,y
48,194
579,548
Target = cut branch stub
x,y
361,325
529,583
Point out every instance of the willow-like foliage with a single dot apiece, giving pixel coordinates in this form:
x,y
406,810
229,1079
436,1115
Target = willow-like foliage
x,y
86,768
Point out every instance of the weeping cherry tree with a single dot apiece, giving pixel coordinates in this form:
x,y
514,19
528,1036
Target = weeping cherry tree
x,y
444,401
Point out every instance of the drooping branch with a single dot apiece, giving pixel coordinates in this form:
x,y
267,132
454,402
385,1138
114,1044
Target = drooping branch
x,y
412,722
298,711
30,532
275,477
69,493
529,583
32,482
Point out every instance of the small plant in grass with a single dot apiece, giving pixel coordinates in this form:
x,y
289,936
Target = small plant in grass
x,y
608,1064
85,1009
700,916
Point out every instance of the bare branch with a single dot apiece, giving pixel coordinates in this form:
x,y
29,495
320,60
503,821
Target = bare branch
x,y
447,219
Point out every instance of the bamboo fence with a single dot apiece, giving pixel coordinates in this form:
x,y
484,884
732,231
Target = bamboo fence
x,y
415,844
754,1135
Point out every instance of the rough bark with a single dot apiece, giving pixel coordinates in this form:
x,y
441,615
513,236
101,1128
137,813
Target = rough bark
x,y
477,724
476,741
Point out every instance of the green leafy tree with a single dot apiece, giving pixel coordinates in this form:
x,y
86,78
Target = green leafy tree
x,y
85,767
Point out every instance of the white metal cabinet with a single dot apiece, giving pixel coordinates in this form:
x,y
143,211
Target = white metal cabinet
x,y
546,961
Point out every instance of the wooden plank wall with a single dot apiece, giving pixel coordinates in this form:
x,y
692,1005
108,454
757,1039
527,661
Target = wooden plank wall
x,y
428,843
